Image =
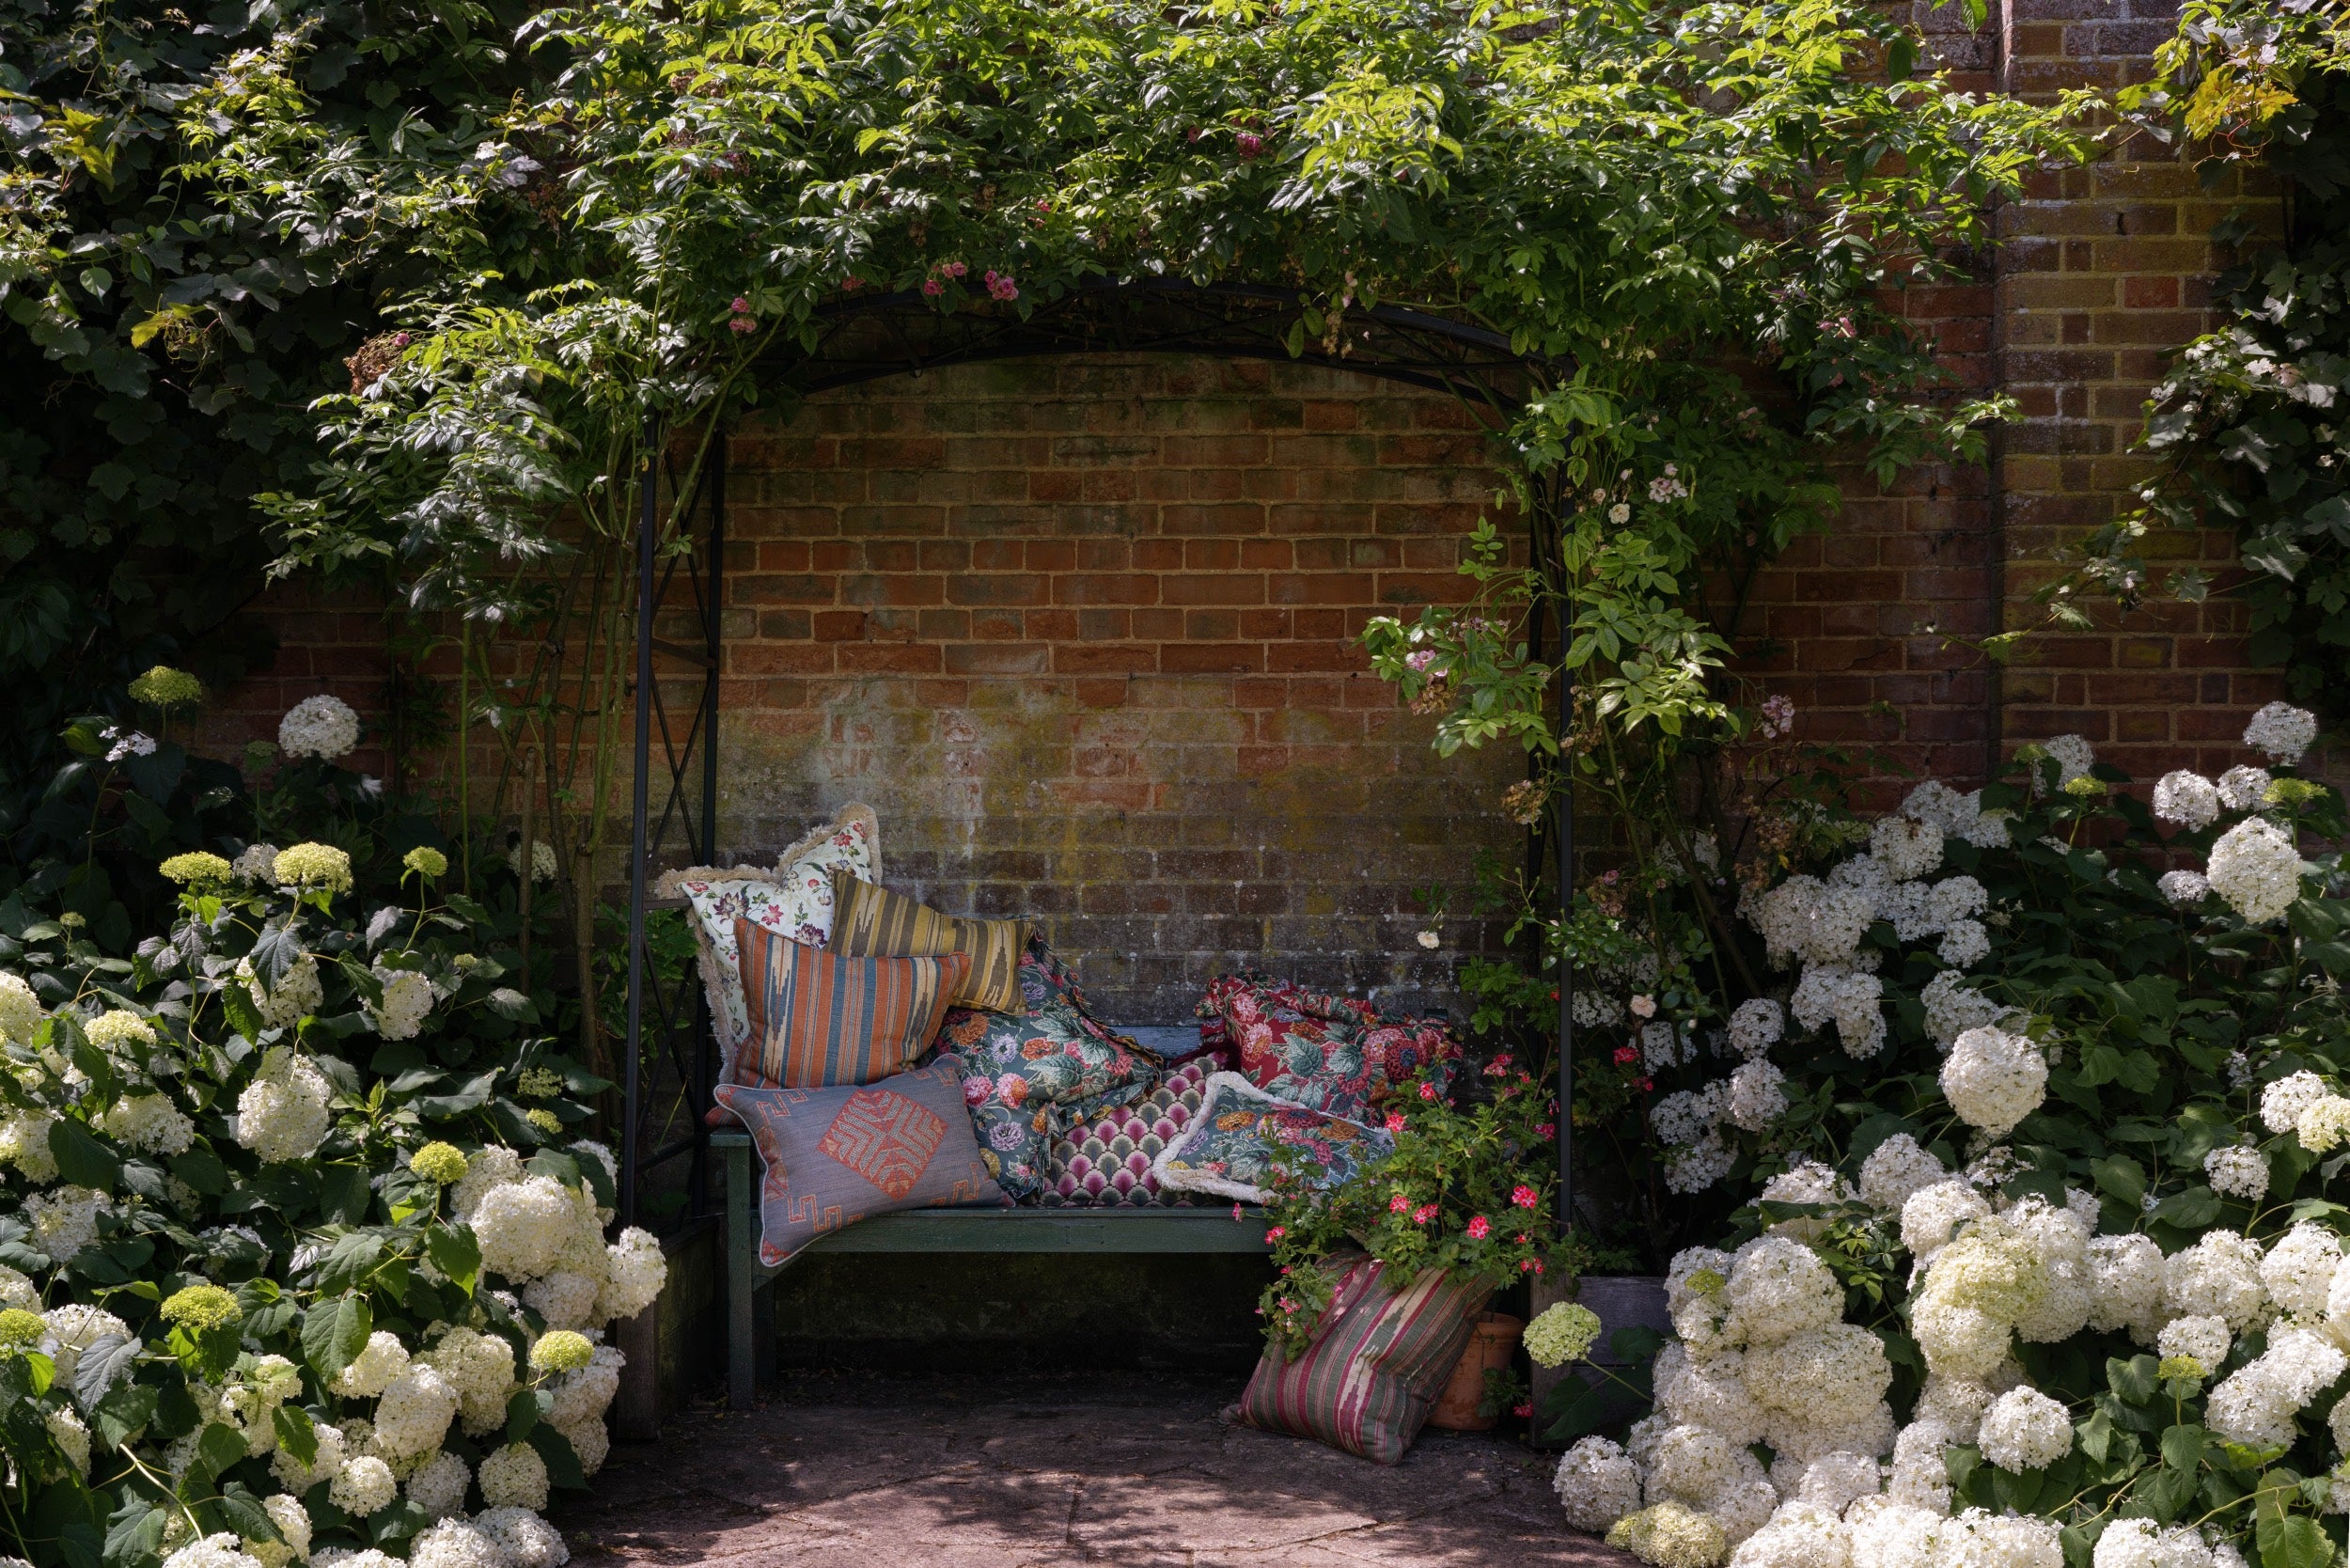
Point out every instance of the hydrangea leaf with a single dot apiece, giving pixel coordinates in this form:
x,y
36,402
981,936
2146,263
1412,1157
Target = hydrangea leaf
x,y
333,1332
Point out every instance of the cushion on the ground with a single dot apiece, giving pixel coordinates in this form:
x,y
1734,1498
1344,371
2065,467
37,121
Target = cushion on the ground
x,y
820,1018
1026,1074
1105,1162
1380,1357
1243,1140
794,898
834,1156
1336,1053
870,922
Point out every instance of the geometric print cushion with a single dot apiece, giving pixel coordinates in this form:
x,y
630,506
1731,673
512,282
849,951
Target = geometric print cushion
x,y
795,899
1106,1163
834,1156
820,1018
870,921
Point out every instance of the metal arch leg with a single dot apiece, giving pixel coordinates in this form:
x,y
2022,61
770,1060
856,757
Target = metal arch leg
x,y
742,1278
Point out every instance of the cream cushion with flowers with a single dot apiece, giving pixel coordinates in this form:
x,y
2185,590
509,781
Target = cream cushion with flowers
x,y
793,899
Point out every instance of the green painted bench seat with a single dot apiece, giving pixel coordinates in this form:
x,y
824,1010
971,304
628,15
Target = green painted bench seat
x,y
1208,1228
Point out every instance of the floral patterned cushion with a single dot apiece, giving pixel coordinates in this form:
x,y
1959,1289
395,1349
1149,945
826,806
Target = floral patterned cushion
x,y
1020,1069
793,900
1333,1053
1105,1163
1245,1139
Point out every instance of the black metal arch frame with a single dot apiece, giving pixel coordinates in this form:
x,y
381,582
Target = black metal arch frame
x,y
869,338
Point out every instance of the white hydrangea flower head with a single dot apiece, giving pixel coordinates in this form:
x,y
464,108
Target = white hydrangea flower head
x,y
1710,1393
364,1485
382,1359
1797,1536
486,1170
1964,944
1835,1482
24,1144
2218,1276
1695,1167
2257,870
1807,1180
21,1012
1918,1477
1670,1535
589,1441
2144,1544
1908,849
2299,1270
2283,1102
258,863
2059,1237
65,1219
513,1477
1831,1376
439,1486
1758,1095
2324,1124
2187,799
2242,789
1896,1171
2201,1339
525,1540
1691,1463
2074,757
2183,888
2238,1170
1980,1539
1934,1214
1958,898
283,1113
1988,829
222,1550
583,1396
1956,1407
1953,1007
2026,1430
1665,1045
1994,1079
1742,1507
637,1271
321,726
566,1298
523,1226
407,1001
2281,731
149,1122
2125,1276
72,1434
455,1544
299,991
1889,1532
481,1367
1756,1026
293,1522
2256,1405
414,1412
1778,1288
1686,1116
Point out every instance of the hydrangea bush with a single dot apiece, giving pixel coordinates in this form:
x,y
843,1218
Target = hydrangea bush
x,y
292,1270
2042,1099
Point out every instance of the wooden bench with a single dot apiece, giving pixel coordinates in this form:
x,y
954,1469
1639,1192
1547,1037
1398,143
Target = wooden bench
x,y
1208,1228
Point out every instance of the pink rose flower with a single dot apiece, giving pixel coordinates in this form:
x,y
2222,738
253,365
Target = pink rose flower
x,y
931,287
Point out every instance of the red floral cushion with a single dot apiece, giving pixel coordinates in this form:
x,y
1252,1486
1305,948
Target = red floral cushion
x,y
1337,1054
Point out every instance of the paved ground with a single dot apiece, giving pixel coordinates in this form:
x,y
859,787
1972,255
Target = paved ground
x,y
845,1473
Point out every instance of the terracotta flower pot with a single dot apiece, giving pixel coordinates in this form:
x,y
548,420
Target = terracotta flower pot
x,y
1493,1340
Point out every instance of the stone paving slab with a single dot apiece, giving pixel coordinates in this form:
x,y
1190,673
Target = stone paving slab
x,y
1135,1471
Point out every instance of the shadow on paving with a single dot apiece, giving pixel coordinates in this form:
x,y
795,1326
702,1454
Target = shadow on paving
x,y
1036,1472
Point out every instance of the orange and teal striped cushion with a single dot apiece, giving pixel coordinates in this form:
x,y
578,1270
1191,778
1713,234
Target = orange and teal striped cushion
x,y
1381,1355
818,1018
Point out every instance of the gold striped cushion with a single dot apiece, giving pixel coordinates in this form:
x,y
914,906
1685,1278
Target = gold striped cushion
x,y
871,923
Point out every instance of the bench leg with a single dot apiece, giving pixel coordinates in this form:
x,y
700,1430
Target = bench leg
x,y
742,1279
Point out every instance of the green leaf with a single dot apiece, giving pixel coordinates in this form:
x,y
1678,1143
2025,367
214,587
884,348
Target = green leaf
x,y
456,1254
296,1434
333,1332
349,1261
134,1537
219,1447
2120,1178
2183,1447
522,1410
81,1158
2132,1380
563,1464
126,1409
2190,1210
2295,1540
344,1194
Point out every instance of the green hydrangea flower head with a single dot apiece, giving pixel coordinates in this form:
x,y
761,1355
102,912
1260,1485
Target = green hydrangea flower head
x,y
426,861
1562,1333
2086,788
539,1083
442,1164
2291,794
545,1120
320,867
165,687
21,1329
197,868
112,1030
2188,1366
562,1351
200,1308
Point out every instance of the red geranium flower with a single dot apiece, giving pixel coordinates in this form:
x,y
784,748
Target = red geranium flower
x,y
1478,1226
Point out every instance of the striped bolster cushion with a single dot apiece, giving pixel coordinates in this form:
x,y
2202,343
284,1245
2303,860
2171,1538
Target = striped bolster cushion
x,y
871,921
1380,1357
818,1019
